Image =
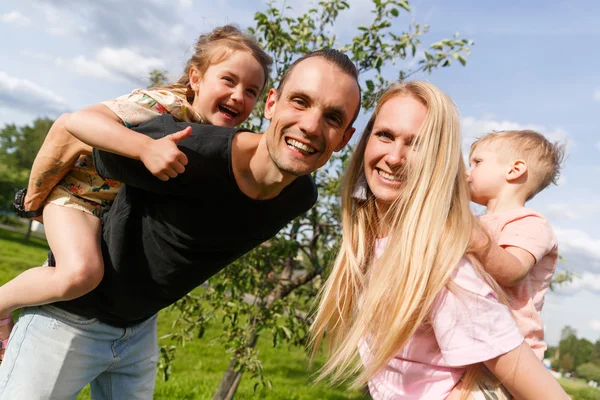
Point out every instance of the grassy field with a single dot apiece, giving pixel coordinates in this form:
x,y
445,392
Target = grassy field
x,y
199,366
579,390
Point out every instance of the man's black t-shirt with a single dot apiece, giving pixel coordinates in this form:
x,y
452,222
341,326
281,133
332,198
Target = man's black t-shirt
x,y
162,239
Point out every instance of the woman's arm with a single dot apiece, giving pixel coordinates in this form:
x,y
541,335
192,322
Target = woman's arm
x,y
99,127
525,377
56,157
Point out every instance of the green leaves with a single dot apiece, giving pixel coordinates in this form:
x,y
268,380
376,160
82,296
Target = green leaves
x,y
157,78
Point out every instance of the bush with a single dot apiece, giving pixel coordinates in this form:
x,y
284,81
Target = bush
x,y
12,220
589,372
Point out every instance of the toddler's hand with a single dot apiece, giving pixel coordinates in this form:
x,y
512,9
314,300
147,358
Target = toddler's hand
x,y
163,158
479,238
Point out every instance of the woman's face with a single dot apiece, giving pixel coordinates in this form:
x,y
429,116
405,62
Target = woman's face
x,y
392,147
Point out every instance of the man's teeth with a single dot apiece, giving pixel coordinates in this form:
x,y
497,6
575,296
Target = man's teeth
x,y
300,146
390,177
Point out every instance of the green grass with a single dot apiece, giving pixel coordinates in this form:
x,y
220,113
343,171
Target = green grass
x,y
199,366
579,390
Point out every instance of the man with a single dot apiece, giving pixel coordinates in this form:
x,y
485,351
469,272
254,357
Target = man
x,y
163,238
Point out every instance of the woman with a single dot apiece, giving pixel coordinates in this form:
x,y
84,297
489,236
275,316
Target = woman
x,y
405,291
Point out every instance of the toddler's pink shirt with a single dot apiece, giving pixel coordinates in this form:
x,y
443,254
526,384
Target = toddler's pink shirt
x,y
528,230
468,325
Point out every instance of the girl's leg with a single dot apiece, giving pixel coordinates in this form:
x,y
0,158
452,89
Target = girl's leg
x,y
74,238
56,157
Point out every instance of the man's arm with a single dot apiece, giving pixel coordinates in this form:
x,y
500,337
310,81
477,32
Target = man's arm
x,y
508,266
56,157
100,128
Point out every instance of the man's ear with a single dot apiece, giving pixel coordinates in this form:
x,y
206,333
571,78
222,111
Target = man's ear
x,y
270,104
195,78
347,136
518,169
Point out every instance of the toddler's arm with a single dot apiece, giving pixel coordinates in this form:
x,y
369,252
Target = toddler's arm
x,y
507,265
99,127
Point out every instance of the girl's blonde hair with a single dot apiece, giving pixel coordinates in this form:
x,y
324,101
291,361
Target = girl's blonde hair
x,y
217,46
430,223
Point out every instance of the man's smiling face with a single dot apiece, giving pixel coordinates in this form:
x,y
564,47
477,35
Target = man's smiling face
x,y
310,118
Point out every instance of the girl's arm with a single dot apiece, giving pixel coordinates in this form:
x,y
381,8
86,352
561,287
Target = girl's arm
x,y
525,377
55,158
100,128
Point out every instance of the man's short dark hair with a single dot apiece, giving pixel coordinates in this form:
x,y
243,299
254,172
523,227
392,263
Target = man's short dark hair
x,y
337,58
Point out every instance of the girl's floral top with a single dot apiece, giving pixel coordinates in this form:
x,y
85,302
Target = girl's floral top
x,y
83,182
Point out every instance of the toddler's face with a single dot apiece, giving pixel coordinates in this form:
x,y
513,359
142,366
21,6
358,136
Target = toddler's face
x,y
486,175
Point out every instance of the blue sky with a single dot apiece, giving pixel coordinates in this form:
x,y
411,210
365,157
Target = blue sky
x,y
534,65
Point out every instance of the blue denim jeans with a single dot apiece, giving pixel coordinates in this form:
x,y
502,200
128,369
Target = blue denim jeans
x,y
53,354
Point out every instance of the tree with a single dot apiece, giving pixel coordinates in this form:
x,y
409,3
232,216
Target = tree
x,y
270,289
562,277
18,148
157,78
584,352
567,363
567,332
574,352
551,352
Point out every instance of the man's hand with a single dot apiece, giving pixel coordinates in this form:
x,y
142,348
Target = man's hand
x,y
163,158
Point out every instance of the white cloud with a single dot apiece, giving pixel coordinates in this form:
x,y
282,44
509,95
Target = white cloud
x,y
582,254
128,24
586,281
575,239
127,62
185,3
562,211
597,95
58,23
22,94
15,17
82,66
572,211
595,324
474,128
108,64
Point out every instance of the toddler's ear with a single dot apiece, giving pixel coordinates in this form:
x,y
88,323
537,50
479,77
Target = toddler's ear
x,y
518,169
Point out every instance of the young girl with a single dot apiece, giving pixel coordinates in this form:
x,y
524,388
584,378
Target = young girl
x,y
221,84
405,292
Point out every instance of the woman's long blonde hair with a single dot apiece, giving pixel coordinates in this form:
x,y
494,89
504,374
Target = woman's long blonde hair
x,y
430,225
